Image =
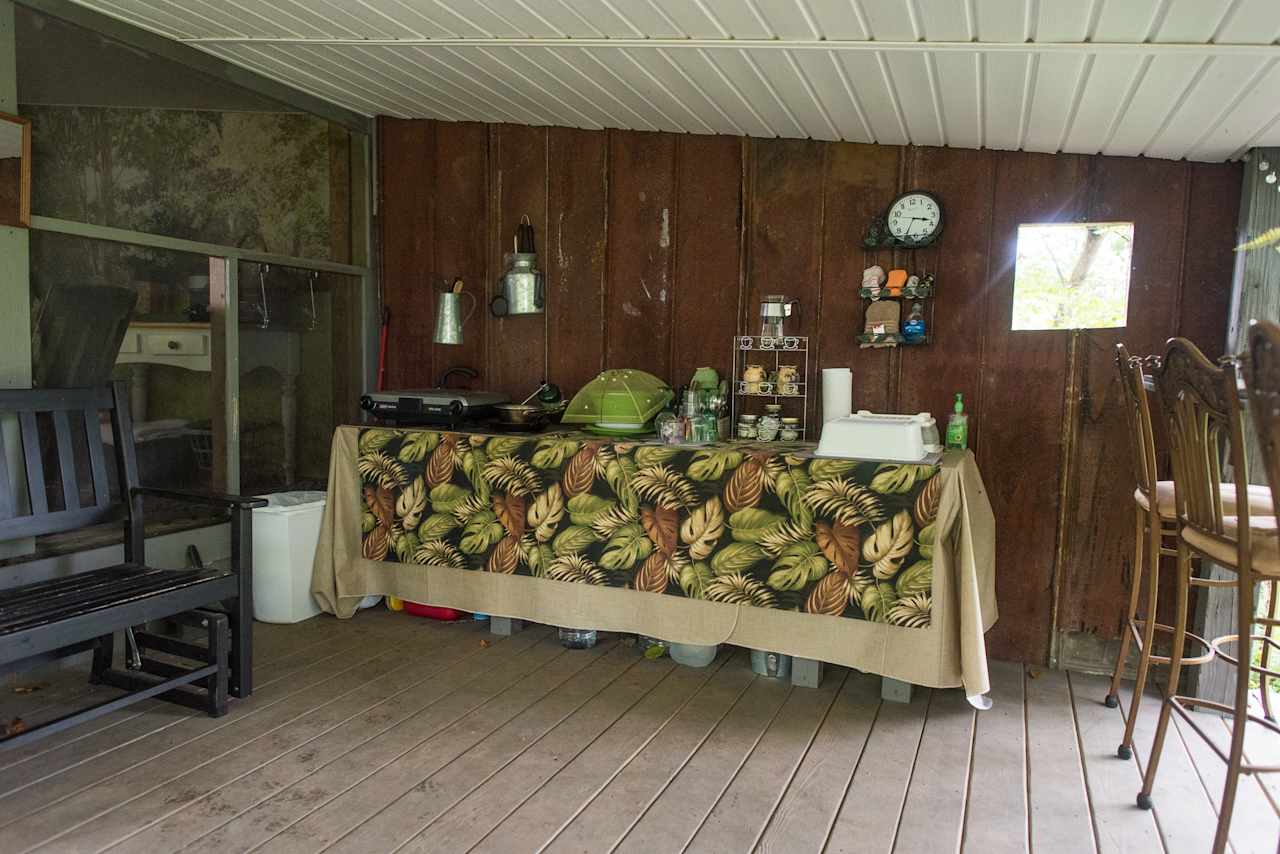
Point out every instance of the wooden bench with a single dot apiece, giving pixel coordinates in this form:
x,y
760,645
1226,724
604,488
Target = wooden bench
x,y
63,616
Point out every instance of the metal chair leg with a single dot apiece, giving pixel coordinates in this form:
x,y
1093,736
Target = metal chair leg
x,y
103,653
1235,756
1125,750
1263,678
241,609
1135,586
1175,672
216,685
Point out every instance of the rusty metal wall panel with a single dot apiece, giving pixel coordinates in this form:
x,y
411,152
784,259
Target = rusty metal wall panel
x,y
406,225
785,241
708,244
860,181
641,253
459,246
517,344
573,256
1021,419
1097,546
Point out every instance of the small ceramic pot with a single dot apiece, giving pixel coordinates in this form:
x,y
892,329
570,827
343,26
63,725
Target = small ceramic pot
x,y
747,431
768,428
773,409
788,434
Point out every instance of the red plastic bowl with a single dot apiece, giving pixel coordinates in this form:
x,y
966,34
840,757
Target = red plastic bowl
x,y
433,612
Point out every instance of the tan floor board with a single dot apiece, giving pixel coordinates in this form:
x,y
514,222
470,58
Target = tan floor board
x,y
1060,816
674,817
739,817
277,808
1255,827
510,772
1112,782
1262,747
1184,814
437,790
224,804
868,818
28,694
75,794
538,808
996,812
804,816
933,815
602,822
270,665
371,795
126,742
170,796
101,735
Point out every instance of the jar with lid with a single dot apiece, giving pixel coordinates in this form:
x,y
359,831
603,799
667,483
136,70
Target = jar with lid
x,y
768,430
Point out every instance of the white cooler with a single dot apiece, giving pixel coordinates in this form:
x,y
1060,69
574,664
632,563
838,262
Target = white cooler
x,y
285,533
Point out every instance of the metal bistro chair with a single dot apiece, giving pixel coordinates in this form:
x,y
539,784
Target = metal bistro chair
x,y
1155,535
1202,405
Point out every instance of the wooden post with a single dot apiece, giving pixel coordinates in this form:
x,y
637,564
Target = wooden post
x,y
1255,295
15,298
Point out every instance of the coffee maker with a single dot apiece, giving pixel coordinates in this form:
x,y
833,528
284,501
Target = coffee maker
x,y
774,309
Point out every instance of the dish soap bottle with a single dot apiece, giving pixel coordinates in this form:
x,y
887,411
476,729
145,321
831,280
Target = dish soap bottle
x,y
958,426
914,330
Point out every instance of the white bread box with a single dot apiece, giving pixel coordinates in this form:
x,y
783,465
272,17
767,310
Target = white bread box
x,y
880,436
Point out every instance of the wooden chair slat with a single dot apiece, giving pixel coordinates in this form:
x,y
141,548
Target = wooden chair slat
x,y
111,595
122,430
35,466
97,458
59,520
53,399
66,460
84,585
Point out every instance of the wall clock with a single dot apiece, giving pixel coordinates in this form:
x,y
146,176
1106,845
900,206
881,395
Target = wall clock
x,y
914,219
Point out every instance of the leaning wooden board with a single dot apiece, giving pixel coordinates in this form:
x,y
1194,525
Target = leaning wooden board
x,y
573,530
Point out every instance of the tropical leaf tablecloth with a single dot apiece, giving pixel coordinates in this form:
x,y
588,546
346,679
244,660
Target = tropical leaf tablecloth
x,y
763,525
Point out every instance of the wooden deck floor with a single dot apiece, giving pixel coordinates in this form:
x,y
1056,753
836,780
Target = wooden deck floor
x,y
389,733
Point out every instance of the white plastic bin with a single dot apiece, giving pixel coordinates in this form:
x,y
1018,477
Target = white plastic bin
x,y
285,533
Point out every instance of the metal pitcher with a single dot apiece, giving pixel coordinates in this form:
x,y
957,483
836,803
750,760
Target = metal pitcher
x,y
449,316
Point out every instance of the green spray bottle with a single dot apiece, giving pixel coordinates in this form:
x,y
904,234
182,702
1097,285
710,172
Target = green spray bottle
x,y
958,426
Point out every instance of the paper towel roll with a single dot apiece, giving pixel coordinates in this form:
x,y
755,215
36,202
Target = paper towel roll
x,y
837,393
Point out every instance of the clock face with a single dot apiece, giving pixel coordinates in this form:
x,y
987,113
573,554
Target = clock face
x,y
915,218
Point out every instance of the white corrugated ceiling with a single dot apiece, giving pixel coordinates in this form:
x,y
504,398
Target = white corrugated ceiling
x,y
1198,79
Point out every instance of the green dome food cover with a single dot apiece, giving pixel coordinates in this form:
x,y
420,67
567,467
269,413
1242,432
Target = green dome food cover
x,y
623,398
